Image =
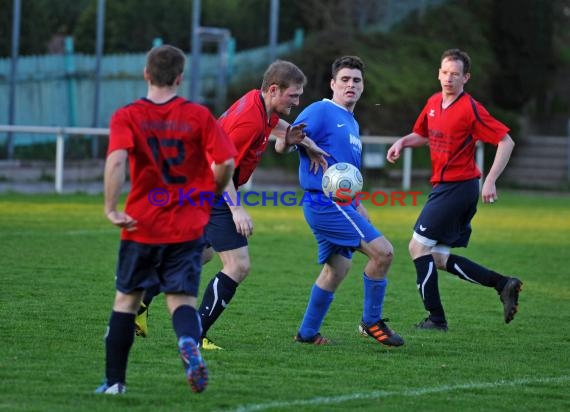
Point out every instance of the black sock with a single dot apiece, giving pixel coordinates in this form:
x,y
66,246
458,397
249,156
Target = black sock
x,y
118,342
149,295
426,281
186,322
217,296
472,272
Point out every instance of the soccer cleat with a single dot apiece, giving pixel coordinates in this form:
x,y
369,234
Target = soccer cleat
x,y
381,332
116,389
194,365
207,344
141,325
318,339
428,324
510,298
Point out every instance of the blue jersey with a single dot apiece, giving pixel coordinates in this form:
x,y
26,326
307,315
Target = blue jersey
x,y
335,130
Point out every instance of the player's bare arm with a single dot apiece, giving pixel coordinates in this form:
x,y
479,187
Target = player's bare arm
x,y
287,136
504,149
115,171
410,140
222,174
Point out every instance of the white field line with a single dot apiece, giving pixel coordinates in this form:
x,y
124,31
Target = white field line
x,y
324,400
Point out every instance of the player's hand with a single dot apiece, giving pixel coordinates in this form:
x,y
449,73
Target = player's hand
x,y
316,155
122,220
489,192
394,152
242,220
295,134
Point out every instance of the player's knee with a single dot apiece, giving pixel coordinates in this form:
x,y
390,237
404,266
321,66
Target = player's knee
x,y
416,249
440,260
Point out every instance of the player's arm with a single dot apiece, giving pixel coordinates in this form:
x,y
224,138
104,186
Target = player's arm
x,y
114,178
242,219
410,140
223,174
504,149
287,137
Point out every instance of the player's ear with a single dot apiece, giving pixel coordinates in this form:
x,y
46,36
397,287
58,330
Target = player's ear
x,y
146,76
273,90
466,77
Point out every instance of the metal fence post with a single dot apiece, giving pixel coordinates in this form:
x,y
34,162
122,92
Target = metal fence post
x,y
568,149
407,172
59,150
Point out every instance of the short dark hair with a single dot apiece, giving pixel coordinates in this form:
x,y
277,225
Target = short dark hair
x,y
284,74
164,64
457,54
350,62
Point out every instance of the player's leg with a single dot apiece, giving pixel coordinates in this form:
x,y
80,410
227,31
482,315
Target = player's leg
x,y
223,286
232,249
180,268
322,293
507,287
380,253
141,320
118,341
462,203
135,269
427,282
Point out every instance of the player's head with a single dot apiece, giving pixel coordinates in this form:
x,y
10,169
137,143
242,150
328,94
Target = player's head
x,y
282,86
454,71
459,56
283,74
164,66
347,81
347,62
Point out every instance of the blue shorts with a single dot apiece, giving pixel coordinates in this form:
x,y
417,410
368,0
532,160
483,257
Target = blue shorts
x,y
221,232
446,216
175,267
337,229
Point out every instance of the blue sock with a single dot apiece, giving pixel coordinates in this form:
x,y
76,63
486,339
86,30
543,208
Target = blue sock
x,y
374,292
186,322
317,308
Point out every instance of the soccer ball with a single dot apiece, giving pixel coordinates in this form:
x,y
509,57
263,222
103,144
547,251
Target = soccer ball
x,y
342,176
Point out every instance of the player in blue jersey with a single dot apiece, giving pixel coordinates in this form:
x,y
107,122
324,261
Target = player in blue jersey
x,y
340,230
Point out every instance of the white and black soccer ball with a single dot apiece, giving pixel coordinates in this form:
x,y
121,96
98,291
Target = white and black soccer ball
x,y
343,176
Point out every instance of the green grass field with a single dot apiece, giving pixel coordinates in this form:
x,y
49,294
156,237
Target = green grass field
x,y
57,269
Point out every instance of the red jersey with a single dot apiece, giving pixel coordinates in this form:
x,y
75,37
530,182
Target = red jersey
x,y
248,126
452,134
167,146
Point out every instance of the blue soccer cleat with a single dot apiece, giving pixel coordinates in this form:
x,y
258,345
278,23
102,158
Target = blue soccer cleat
x,y
196,371
116,389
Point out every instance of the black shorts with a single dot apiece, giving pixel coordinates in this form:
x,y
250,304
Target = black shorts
x,y
174,267
446,216
221,232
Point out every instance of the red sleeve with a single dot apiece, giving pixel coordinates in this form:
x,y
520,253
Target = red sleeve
x,y
121,134
421,125
242,135
486,128
218,145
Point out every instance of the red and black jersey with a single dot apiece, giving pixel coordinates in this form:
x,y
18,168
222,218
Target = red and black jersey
x,y
170,146
248,126
452,134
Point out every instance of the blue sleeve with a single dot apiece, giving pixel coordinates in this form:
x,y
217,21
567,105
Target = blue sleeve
x,y
313,117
